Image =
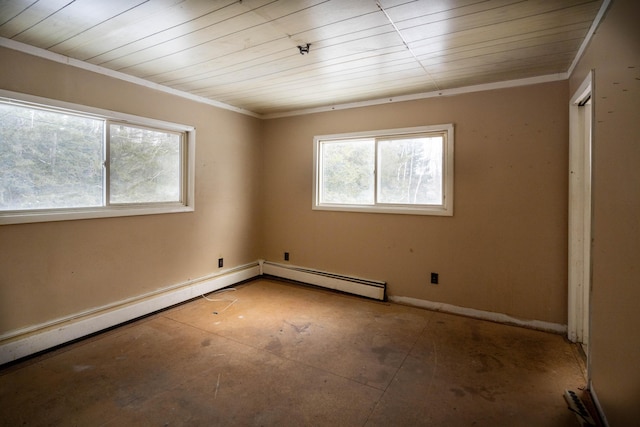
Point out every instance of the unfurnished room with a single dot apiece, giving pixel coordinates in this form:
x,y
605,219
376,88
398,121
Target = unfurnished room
x,y
319,212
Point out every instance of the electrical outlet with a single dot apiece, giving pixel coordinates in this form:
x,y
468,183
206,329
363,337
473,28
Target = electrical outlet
x,y
220,262
434,278
286,256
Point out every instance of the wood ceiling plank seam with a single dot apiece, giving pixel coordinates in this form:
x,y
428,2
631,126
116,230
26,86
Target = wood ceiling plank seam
x,y
161,18
203,43
569,45
505,31
517,23
173,27
474,68
239,89
264,66
98,24
442,59
192,64
39,20
107,31
293,75
348,90
469,65
212,67
424,67
311,82
352,37
261,73
554,31
400,11
291,22
295,65
415,88
254,49
11,15
340,21
517,6
282,110
148,76
174,48
275,51
213,73
539,21
73,19
486,77
153,52
317,45
405,24
341,95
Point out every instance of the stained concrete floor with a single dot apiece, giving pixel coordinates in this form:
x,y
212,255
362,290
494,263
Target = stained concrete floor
x,y
289,355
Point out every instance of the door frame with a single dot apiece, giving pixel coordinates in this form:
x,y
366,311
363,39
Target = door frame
x,y
581,113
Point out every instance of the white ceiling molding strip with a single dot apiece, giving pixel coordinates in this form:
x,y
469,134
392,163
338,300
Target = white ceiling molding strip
x,y
56,57
435,94
590,33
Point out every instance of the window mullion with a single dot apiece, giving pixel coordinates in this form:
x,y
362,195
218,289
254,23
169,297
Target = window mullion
x,y
184,156
376,168
107,164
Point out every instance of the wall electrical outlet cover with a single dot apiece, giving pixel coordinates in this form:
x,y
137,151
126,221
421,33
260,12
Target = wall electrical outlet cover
x,y
220,262
434,278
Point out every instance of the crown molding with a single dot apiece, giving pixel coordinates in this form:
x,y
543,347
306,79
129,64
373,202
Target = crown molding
x,y
56,57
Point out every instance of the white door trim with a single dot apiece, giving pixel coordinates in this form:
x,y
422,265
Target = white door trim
x,y
580,182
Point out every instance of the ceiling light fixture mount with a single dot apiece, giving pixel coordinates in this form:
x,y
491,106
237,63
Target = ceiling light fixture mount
x,y
304,49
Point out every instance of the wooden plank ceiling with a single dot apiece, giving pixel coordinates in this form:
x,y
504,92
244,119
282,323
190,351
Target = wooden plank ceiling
x,y
245,54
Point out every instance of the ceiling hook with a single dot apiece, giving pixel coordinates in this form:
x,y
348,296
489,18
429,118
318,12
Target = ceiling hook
x,y
304,49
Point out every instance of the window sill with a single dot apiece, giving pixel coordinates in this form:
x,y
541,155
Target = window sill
x,y
405,210
26,217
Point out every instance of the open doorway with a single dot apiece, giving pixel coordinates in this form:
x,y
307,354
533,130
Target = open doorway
x,y
580,205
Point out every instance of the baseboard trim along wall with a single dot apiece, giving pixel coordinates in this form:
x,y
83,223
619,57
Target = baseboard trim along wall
x,y
20,343
352,285
24,342
482,315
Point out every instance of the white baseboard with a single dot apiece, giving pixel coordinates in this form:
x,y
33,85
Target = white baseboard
x,y
24,342
352,285
482,315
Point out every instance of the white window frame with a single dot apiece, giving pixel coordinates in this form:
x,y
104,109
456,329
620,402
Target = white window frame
x,y
444,209
186,204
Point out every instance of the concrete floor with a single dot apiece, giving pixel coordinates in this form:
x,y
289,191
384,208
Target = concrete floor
x,y
289,355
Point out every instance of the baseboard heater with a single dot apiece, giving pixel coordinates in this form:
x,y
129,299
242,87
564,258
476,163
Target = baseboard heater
x,y
353,285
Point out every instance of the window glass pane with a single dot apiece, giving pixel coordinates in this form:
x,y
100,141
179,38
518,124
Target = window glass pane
x,y
347,172
49,159
410,170
145,165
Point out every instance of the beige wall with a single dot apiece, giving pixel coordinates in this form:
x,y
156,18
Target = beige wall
x,y
614,54
504,250
52,270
